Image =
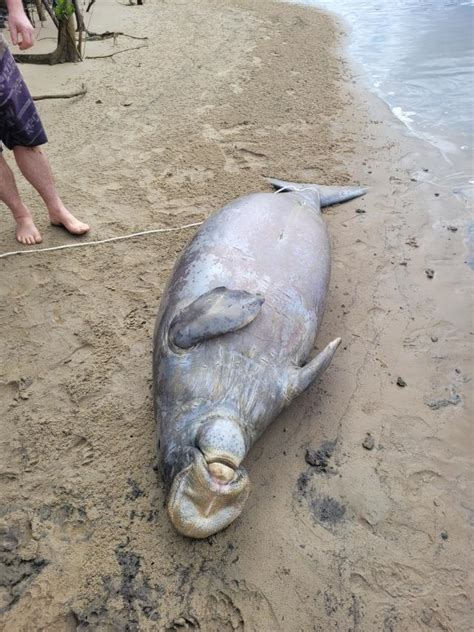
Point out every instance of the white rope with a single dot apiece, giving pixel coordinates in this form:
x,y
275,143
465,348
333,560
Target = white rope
x,y
110,239
100,241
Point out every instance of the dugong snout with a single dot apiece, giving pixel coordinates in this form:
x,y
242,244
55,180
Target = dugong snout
x,y
210,493
221,440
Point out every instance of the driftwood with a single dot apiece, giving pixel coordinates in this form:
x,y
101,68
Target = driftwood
x,y
92,37
117,52
66,95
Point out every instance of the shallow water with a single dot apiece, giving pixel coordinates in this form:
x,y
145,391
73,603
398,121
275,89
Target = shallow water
x,y
418,56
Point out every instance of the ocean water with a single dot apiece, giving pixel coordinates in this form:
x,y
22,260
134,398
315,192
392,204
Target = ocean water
x,y
418,56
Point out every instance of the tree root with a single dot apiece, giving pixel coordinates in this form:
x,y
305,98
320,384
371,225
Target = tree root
x,y
117,52
66,95
51,59
45,58
91,37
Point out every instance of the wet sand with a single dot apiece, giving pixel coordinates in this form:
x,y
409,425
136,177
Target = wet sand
x,y
374,534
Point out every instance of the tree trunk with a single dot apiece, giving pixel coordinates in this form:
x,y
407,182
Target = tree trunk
x,y
40,10
50,11
79,19
26,9
66,50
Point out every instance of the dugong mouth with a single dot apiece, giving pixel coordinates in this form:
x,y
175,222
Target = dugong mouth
x,y
206,497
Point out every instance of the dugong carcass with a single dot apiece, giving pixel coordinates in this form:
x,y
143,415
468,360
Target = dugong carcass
x,y
234,332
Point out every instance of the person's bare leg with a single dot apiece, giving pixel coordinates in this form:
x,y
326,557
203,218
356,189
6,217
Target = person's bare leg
x,y
26,231
35,167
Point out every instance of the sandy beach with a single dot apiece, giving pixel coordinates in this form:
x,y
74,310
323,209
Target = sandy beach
x,y
375,534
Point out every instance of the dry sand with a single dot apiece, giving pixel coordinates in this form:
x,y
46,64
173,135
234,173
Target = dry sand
x,y
367,539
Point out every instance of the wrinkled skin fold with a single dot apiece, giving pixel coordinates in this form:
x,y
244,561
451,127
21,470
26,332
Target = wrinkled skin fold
x,y
199,504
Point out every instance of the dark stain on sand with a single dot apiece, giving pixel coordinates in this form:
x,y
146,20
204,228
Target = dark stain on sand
x,y
16,571
139,598
324,510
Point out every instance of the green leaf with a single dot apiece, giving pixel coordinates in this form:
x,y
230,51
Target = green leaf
x,y
63,9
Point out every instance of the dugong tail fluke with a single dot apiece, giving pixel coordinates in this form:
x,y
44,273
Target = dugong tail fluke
x,y
327,195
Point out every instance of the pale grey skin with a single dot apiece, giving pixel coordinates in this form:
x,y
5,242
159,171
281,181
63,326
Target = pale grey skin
x,y
227,363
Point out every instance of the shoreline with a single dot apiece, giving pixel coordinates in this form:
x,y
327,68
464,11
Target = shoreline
x,y
224,94
449,144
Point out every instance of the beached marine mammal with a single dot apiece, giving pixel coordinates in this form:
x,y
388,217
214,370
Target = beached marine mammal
x,y
235,328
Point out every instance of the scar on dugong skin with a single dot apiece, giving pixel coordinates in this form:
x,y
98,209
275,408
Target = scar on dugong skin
x,y
235,329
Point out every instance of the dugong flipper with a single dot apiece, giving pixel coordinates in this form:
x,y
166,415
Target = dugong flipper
x,y
235,329
212,314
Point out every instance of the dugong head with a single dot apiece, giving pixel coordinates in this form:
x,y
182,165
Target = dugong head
x,y
209,493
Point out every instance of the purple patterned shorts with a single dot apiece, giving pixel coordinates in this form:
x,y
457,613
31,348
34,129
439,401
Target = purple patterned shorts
x,y
20,123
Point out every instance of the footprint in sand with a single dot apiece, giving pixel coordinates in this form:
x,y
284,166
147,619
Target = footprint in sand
x,y
238,154
81,451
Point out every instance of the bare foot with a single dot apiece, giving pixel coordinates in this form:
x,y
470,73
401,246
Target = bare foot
x,y
66,219
26,231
